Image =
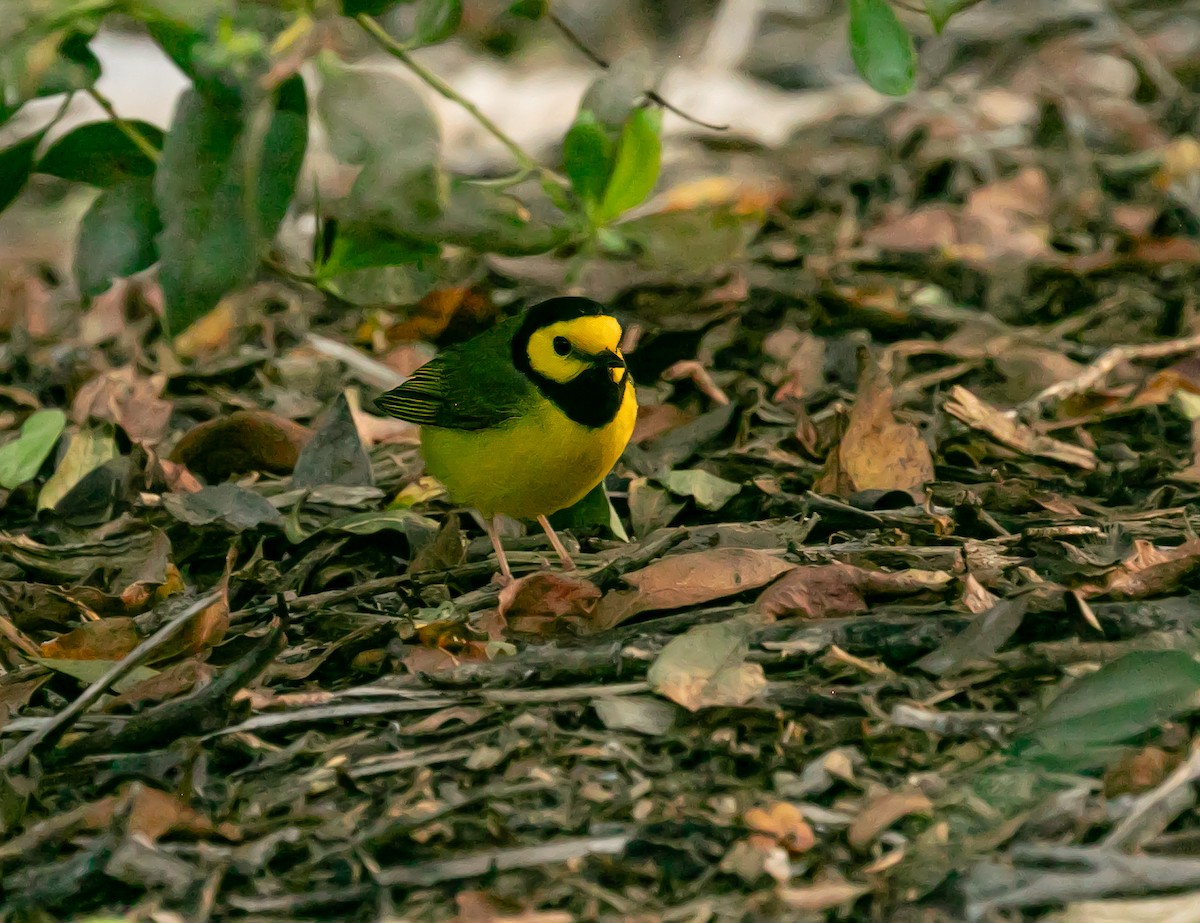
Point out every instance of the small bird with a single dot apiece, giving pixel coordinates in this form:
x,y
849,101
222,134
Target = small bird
x,y
527,418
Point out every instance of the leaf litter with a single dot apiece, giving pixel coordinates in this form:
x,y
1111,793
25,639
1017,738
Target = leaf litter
x,y
906,625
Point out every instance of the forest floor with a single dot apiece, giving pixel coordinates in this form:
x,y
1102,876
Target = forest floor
x,y
891,613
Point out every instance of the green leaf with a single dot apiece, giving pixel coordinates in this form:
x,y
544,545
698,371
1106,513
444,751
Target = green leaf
x,y
75,67
369,7
587,157
87,451
116,236
529,9
594,511
881,47
635,171
1118,702
709,491
16,163
940,11
214,228
613,96
100,153
437,20
362,246
21,459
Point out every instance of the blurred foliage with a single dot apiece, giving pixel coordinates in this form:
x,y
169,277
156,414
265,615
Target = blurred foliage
x,y
205,200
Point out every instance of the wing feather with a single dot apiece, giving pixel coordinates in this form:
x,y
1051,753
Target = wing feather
x,y
469,388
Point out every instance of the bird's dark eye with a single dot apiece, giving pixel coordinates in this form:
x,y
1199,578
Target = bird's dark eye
x,y
562,345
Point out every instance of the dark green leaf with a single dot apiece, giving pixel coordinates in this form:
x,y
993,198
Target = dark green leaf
x,y
369,7
75,67
211,239
594,511
116,237
881,47
16,163
587,157
100,153
21,459
437,20
529,9
635,171
360,246
1119,701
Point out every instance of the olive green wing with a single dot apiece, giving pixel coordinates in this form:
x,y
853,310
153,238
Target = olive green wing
x,y
472,386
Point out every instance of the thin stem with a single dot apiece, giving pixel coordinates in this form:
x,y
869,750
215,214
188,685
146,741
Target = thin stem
x,y
125,126
570,35
398,51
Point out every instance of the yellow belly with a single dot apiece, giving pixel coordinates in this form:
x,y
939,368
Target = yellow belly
x,y
537,465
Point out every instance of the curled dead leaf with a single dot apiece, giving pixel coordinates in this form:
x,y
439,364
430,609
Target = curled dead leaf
x,y
881,812
246,440
785,822
546,604
832,590
128,400
707,667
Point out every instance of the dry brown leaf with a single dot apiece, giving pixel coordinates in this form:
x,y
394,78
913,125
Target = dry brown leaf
x,y
179,679
107,639
1008,218
154,813
1149,571
877,452
689,580
930,228
655,419
246,440
976,597
883,811
1139,771
707,667
978,414
823,895
785,822
547,604
130,401
440,311
831,590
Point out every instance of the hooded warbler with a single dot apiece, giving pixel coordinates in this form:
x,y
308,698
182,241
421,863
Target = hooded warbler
x,y
527,418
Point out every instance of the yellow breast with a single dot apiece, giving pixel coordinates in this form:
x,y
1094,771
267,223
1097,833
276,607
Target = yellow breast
x,y
540,463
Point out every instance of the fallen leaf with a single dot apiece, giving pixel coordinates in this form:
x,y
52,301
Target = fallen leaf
x,y
877,452
785,822
87,450
154,813
823,895
244,441
1007,218
127,400
90,671
179,679
547,604
881,812
650,507
707,490
1139,771
639,713
707,667
107,639
689,580
930,228
978,414
234,507
1178,908
976,597
979,641
335,454
22,458
1150,571
831,590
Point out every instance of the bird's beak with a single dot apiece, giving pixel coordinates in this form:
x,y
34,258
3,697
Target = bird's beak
x,y
609,360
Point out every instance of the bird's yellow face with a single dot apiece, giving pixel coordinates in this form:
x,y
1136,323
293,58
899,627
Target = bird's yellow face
x,y
564,350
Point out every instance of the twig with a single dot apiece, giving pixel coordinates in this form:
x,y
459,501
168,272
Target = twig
x,y
653,95
1095,373
400,53
125,126
48,733
980,415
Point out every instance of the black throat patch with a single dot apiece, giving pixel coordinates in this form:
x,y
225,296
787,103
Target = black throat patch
x,y
591,398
